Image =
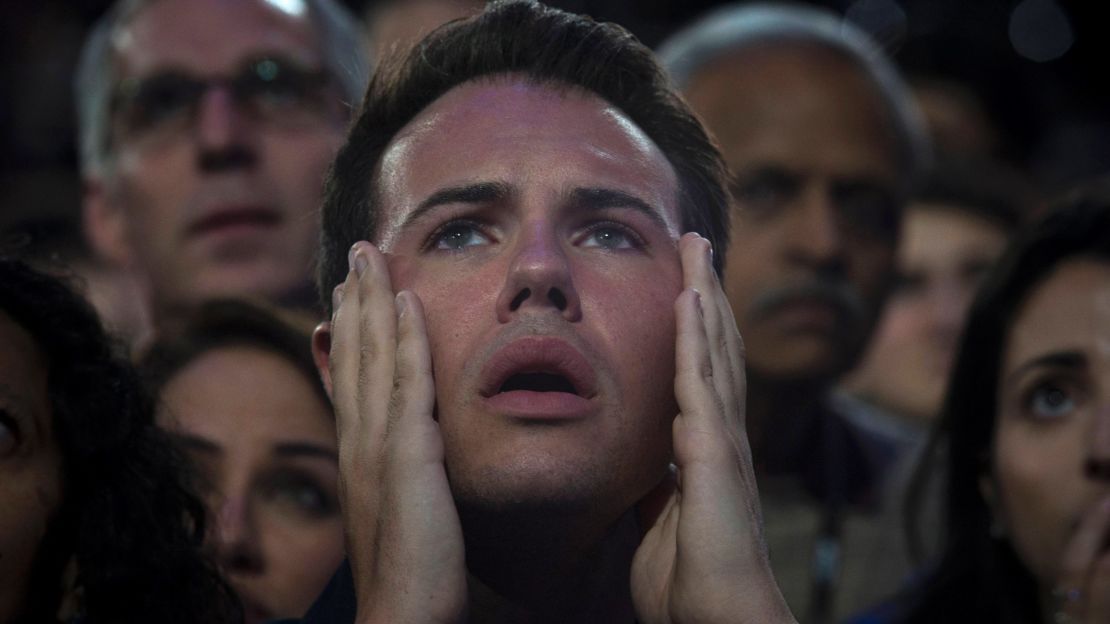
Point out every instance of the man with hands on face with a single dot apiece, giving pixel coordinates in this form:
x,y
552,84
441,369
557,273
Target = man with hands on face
x,y
528,341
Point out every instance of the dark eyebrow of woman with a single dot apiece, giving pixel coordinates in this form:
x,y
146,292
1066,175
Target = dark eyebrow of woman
x,y
197,443
478,193
1057,359
304,449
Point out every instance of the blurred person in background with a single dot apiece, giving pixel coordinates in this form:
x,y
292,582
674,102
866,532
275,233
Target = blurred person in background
x,y
1026,433
237,386
954,229
823,145
206,127
97,523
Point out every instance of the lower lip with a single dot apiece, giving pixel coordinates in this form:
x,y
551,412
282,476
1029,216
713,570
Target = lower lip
x,y
530,405
811,316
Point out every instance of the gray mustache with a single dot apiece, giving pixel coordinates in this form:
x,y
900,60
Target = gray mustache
x,y
841,296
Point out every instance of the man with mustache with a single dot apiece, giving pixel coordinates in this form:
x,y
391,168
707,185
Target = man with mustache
x,y
537,378
822,145
205,130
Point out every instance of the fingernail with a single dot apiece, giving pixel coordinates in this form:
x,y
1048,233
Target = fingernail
x,y
336,296
361,262
401,305
351,256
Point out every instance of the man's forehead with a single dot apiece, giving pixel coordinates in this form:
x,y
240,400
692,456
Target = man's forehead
x,y
214,35
500,129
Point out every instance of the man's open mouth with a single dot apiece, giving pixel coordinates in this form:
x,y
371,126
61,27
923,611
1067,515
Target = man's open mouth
x,y
538,382
539,377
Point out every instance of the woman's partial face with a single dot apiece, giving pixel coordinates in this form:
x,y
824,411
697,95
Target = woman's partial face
x,y
1052,438
264,443
30,463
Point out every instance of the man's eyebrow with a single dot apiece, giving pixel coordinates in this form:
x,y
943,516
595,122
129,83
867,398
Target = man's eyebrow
x,y
477,193
196,443
1057,359
305,449
600,198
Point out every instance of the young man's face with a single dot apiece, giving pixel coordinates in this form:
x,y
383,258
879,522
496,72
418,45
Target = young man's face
x,y
217,187
539,230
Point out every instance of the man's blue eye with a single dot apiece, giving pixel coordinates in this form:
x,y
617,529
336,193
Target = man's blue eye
x,y
610,237
459,236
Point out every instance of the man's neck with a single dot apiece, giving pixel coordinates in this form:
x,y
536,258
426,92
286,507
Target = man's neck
x,y
532,568
780,414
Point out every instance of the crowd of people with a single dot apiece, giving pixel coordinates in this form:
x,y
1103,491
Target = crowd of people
x,y
532,323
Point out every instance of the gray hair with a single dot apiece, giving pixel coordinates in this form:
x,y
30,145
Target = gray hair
x,y
343,48
735,27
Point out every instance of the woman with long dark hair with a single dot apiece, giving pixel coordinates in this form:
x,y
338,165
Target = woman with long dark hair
x,y
1026,436
97,523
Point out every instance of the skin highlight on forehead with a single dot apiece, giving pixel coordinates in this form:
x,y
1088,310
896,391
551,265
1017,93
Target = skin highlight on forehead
x,y
618,148
170,33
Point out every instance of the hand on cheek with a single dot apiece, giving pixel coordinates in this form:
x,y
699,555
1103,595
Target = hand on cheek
x,y
703,557
1082,592
404,539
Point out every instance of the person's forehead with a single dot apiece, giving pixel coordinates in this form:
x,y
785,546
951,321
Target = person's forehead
x,y
505,128
214,36
928,226
767,101
1069,310
246,382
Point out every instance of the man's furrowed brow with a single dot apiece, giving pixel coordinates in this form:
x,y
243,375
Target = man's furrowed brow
x,y
600,198
477,193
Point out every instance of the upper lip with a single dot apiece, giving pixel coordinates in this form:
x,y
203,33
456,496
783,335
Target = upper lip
x,y
229,214
539,354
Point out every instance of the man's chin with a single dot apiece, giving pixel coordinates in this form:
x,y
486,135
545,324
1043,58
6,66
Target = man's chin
x,y
535,488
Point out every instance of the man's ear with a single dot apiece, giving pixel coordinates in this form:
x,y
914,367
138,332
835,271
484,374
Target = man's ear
x,y
104,223
321,351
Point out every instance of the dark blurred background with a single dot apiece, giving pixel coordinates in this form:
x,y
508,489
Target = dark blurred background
x,y
1029,65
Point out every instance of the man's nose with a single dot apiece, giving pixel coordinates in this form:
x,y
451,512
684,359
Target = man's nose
x,y
224,132
539,278
816,235
237,545
1097,465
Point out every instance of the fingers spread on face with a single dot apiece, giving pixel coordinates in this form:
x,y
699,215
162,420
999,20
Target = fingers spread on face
x,y
725,348
363,344
413,395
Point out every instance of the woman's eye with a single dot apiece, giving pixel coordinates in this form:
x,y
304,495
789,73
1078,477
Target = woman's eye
x,y
609,236
301,494
458,235
1049,401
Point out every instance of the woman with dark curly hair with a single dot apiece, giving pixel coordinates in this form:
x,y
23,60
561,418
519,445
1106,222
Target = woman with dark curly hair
x,y
1026,438
97,523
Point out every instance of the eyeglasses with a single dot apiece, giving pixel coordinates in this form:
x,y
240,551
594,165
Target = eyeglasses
x,y
272,90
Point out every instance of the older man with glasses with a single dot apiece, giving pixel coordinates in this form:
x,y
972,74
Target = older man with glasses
x,y
206,129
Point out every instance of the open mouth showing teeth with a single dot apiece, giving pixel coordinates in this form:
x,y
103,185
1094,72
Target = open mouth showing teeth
x,y
538,382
